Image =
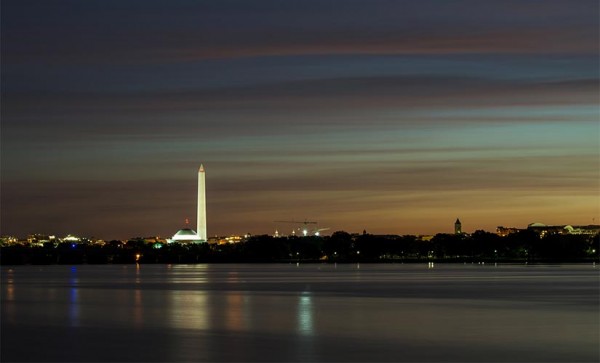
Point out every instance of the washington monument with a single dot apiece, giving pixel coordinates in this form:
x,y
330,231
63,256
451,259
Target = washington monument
x,y
201,222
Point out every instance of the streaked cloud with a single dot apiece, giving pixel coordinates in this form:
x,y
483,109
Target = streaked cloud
x,y
141,32
390,116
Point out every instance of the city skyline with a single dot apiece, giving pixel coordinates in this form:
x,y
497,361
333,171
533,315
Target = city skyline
x,y
394,117
303,231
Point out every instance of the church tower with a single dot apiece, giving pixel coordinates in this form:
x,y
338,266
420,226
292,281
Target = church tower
x,y
457,227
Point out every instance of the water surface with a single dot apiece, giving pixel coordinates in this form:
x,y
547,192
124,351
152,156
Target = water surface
x,y
305,312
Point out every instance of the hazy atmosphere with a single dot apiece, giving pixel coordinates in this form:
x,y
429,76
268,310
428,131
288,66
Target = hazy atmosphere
x,y
390,116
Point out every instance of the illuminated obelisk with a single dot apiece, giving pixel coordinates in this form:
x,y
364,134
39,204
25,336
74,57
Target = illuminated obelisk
x,y
201,225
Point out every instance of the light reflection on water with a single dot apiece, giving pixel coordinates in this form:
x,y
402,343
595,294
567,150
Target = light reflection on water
x,y
301,312
138,309
74,306
10,289
235,308
305,314
189,274
9,296
188,310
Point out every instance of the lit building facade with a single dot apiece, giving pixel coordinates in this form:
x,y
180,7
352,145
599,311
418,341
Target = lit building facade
x,y
544,230
185,235
505,231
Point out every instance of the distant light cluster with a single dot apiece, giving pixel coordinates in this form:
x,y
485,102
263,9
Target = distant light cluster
x,y
187,235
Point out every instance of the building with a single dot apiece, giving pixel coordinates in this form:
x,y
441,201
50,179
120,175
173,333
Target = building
x,y
544,230
188,235
591,230
225,240
185,235
38,239
505,231
155,239
8,240
457,227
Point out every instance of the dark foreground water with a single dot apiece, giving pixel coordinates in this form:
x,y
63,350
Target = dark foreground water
x,y
300,313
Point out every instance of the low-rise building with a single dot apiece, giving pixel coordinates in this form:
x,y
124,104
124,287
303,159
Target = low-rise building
x,y
505,231
544,230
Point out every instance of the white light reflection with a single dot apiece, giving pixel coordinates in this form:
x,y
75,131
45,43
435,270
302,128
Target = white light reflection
x,y
188,310
305,314
195,274
10,287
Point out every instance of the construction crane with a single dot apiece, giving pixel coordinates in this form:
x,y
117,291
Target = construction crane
x,y
305,229
297,222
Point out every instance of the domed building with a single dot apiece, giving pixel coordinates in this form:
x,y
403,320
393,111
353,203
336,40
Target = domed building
x,y
185,235
188,235
536,225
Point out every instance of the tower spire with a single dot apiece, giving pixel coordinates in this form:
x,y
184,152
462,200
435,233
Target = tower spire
x,y
201,222
457,227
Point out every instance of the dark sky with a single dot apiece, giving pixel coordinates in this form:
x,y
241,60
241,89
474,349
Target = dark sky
x,y
391,116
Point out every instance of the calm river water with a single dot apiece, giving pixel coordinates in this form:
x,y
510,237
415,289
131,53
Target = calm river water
x,y
306,312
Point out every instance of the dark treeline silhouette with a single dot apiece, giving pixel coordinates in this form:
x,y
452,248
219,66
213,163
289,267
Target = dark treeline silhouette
x,y
339,247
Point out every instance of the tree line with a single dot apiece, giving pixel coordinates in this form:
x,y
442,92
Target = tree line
x,y
341,246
